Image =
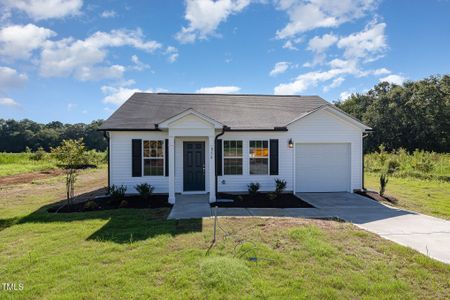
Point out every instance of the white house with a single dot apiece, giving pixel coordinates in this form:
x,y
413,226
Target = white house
x,y
200,143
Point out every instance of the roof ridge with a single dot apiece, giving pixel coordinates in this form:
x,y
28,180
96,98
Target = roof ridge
x,y
219,94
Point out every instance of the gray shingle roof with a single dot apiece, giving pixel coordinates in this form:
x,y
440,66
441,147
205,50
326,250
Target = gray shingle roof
x,y
144,110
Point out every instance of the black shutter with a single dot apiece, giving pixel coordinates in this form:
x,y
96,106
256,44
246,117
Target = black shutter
x,y
219,157
273,157
136,158
166,156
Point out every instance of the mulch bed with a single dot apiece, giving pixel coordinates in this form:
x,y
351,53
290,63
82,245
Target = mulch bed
x,y
262,200
106,203
375,196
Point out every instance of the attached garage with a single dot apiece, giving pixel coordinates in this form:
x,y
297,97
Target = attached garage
x,y
322,167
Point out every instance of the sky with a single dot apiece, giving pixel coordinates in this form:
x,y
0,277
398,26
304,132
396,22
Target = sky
x,y
78,61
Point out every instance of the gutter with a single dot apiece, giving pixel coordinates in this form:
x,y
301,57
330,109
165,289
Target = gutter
x,y
224,128
106,135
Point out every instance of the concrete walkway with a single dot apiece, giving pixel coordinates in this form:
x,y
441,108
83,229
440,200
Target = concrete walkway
x,y
190,207
428,235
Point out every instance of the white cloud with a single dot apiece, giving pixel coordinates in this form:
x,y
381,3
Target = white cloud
x,y
319,44
363,45
344,95
204,16
18,41
289,45
108,14
81,58
138,64
8,102
279,68
305,15
395,79
10,78
172,53
119,94
381,71
312,79
45,9
334,84
219,90
71,106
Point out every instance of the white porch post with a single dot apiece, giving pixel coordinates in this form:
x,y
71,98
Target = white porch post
x,y
212,168
171,169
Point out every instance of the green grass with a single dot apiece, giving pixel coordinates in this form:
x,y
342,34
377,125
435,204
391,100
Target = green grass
x,y
425,196
129,253
17,163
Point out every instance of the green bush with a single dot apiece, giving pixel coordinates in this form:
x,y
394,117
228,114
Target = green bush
x,y
423,161
145,190
117,193
393,166
253,188
40,154
280,185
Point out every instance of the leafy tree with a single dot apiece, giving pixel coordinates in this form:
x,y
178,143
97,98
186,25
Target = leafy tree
x,y
415,115
70,155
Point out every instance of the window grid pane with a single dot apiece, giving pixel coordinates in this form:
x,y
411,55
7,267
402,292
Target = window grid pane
x,y
259,157
153,167
232,166
153,149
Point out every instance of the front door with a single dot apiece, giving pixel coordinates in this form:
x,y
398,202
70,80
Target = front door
x,y
194,166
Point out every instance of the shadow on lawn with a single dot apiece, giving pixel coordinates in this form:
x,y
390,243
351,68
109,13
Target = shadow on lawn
x,y
122,226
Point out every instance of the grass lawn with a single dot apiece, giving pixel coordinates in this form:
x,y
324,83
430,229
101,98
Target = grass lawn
x,y
128,253
430,197
17,163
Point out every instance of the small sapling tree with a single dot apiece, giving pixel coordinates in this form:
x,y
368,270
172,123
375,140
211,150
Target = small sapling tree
x,y
70,156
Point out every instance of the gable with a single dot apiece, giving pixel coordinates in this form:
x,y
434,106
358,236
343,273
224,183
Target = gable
x,y
190,121
331,117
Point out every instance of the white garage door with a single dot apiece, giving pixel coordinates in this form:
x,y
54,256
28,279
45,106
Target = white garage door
x,y
322,167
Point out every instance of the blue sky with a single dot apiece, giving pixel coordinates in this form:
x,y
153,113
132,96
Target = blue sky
x,y
76,61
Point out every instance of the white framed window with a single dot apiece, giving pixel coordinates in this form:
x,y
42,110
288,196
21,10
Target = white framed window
x,y
259,157
153,157
232,157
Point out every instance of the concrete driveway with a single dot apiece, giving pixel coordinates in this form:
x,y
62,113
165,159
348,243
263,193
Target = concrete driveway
x,y
428,235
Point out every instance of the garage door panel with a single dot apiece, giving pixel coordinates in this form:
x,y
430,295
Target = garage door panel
x,y
322,167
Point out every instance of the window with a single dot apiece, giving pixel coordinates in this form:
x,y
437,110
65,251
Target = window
x,y
259,157
153,158
232,157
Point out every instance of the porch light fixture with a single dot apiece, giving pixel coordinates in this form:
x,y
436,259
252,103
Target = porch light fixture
x,y
290,143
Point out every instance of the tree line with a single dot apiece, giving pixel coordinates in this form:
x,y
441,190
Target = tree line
x,y
414,115
17,136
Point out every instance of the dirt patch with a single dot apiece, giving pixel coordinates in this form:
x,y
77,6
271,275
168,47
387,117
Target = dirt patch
x,y
262,200
377,197
29,177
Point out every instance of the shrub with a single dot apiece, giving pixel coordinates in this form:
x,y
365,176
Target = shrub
x,y
145,190
423,161
280,186
393,166
383,182
123,203
39,154
117,192
382,154
90,205
253,188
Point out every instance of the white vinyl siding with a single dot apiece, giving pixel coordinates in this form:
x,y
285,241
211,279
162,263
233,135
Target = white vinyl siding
x,y
319,127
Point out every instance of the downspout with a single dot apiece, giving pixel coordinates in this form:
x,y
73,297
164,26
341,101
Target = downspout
x,y
217,158
105,134
365,134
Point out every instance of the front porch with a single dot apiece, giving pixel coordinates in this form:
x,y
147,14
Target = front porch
x,y
191,154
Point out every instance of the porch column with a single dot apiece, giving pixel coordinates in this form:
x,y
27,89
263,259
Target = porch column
x,y
212,168
171,169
